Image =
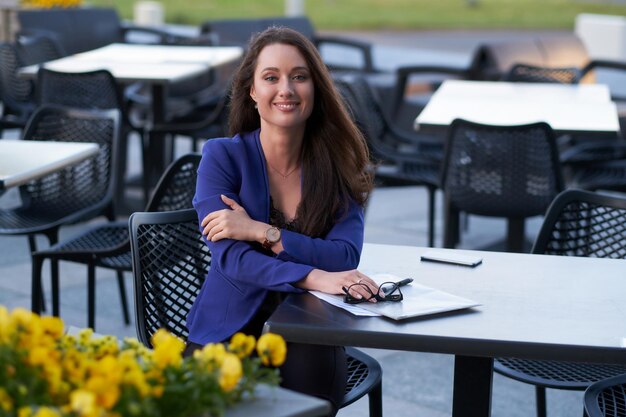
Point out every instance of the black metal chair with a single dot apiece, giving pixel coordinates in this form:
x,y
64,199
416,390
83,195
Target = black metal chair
x,y
17,95
499,171
398,159
170,261
77,193
600,163
108,245
206,121
536,74
90,90
578,223
606,398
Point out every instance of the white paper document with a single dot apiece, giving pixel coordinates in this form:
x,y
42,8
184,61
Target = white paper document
x,y
418,300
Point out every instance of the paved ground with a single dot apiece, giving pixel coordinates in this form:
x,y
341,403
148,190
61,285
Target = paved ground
x,y
414,383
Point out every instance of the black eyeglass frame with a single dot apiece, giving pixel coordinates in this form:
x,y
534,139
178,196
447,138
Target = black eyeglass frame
x,y
389,295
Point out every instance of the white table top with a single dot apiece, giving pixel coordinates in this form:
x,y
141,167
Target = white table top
x,y
25,160
566,108
134,62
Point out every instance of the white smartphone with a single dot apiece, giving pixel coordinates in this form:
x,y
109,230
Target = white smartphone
x,y
452,258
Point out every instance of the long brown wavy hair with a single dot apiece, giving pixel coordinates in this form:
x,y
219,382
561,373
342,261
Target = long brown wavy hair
x,y
334,152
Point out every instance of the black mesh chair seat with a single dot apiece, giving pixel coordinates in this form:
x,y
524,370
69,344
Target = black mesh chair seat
x,y
93,243
32,220
535,74
170,261
578,223
500,171
553,374
108,245
606,398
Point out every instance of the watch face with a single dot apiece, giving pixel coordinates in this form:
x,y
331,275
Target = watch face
x,y
272,235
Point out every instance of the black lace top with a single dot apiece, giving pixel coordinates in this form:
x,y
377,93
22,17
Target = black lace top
x,y
277,218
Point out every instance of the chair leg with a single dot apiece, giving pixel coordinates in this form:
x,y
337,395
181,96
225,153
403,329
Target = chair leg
x,y
540,394
515,235
32,245
91,296
431,216
451,226
53,237
36,294
145,168
123,299
375,398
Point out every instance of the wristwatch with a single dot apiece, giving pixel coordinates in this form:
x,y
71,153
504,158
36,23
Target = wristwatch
x,y
272,236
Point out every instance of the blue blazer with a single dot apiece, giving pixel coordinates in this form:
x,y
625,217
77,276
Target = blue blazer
x,y
240,274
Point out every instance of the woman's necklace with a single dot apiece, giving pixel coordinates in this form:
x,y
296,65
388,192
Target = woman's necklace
x,y
286,175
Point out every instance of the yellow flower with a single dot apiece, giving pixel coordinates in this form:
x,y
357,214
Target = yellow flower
x,y
47,412
212,355
5,325
272,349
6,403
168,349
84,403
230,372
24,412
52,326
84,336
241,345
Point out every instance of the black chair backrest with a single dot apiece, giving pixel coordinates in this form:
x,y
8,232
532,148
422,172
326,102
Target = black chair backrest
x,y
237,32
170,262
606,398
177,186
37,48
364,106
504,171
15,93
77,29
583,223
535,74
85,90
88,183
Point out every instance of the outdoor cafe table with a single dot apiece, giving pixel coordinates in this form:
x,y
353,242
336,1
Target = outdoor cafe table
x,y
279,402
25,160
581,108
157,65
532,306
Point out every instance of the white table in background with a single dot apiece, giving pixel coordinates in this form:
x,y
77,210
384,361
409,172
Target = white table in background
x,y
25,160
581,108
157,65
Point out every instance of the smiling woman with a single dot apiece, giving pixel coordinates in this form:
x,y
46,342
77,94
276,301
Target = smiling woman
x,y
281,205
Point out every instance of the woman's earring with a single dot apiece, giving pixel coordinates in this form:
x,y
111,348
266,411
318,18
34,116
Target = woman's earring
x,y
256,106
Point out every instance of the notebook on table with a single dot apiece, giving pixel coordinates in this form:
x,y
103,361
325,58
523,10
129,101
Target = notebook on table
x,y
418,300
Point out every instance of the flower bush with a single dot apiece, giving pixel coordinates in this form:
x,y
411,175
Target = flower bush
x,y
48,4
45,373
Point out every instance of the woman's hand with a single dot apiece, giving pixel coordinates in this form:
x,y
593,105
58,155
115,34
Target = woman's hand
x,y
231,223
335,282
